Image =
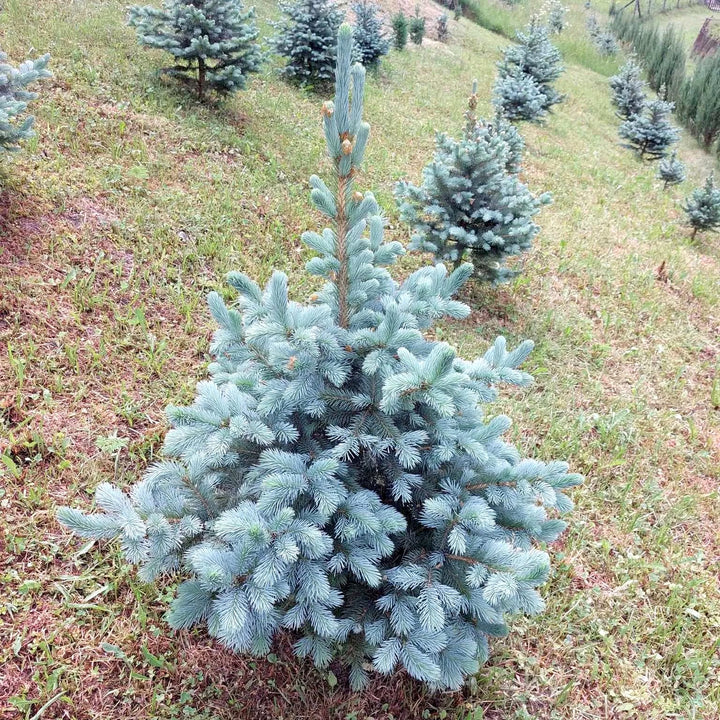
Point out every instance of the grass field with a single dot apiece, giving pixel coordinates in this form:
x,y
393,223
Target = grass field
x,y
131,205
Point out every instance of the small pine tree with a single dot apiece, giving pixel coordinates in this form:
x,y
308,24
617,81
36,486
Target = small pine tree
x,y
671,171
212,41
518,97
307,39
369,42
400,31
537,58
416,27
603,39
14,99
593,27
702,207
556,16
628,90
650,133
606,44
469,207
337,476
442,27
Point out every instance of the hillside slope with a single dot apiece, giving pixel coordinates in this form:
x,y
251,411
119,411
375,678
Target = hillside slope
x,y
132,204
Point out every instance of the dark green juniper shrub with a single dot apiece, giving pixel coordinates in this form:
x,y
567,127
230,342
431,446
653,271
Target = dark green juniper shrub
x,y
416,27
400,31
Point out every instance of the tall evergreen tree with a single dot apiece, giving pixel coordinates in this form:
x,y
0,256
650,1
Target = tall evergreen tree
x,y
370,42
15,125
307,39
212,41
469,207
650,133
628,90
671,171
702,207
706,119
337,475
534,57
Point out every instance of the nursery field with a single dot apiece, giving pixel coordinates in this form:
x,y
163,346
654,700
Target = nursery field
x,y
132,204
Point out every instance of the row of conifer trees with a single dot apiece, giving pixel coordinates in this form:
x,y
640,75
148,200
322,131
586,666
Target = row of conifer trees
x,y
662,54
646,128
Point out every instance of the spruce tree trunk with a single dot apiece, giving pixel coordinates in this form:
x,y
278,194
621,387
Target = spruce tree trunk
x,y
694,233
201,78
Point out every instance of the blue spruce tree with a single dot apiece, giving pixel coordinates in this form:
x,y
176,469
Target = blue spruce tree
x,y
671,171
518,97
650,133
370,44
307,39
702,207
524,89
14,99
337,475
471,204
212,41
628,90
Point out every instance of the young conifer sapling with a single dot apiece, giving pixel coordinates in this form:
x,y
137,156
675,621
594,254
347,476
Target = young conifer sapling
x,y
337,476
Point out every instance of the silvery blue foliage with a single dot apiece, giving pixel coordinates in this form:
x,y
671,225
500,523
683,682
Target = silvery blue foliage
x,y
518,97
212,41
370,43
671,171
628,90
650,133
307,39
524,89
471,205
14,98
702,207
337,475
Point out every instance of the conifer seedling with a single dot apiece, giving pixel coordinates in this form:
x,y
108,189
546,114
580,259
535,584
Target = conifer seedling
x,y
703,207
671,171
471,206
400,31
526,75
628,90
337,477
650,133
